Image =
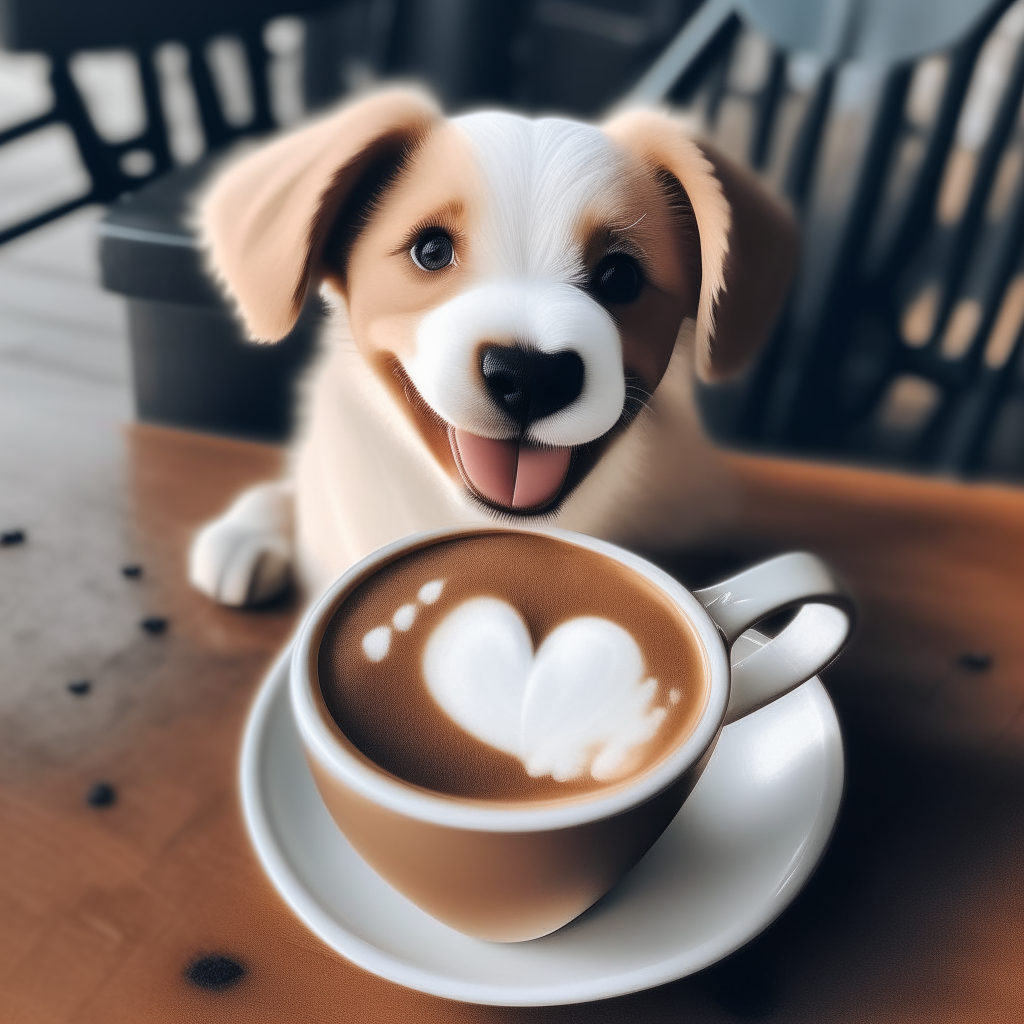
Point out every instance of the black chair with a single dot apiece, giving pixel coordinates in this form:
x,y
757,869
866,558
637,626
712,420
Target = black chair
x,y
64,30
200,74
901,341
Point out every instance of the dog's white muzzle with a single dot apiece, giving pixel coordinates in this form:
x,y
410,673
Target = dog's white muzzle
x,y
550,317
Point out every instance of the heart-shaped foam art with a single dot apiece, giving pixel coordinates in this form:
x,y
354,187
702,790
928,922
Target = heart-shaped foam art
x,y
580,704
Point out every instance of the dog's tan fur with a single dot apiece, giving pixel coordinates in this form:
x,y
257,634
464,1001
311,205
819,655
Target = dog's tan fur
x,y
374,461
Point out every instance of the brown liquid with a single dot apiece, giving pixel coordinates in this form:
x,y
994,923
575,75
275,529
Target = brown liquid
x,y
386,711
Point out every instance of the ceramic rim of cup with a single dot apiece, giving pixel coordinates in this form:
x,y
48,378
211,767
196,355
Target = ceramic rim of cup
x,y
388,791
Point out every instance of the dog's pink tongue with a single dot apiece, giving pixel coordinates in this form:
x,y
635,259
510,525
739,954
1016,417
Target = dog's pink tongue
x,y
489,465
510,475
540,475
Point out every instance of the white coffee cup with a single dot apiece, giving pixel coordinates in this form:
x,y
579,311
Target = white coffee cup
x,y
514,871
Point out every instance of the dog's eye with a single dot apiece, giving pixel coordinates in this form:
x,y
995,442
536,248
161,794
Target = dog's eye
x,y
618,279
433,251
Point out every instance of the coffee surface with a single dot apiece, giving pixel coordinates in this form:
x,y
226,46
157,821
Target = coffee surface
x,y
505,666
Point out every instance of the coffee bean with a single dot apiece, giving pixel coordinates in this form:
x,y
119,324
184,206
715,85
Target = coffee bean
x,y
80,687
11,537
102,794
975,661
214,972
154,625
132,571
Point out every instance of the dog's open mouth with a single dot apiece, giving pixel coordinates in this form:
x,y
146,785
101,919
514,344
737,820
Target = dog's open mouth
x,y
508,474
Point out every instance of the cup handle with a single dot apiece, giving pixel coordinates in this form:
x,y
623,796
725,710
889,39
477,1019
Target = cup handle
x,y
809,643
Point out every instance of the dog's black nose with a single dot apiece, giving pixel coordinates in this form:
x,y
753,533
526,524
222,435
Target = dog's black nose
x,y
529,385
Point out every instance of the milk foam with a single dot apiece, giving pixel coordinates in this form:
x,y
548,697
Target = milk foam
x,y
377,642
580,705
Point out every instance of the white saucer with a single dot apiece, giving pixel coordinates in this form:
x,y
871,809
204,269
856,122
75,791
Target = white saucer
x,y
741,848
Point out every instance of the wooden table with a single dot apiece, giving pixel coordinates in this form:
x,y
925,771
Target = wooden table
x,y
915,914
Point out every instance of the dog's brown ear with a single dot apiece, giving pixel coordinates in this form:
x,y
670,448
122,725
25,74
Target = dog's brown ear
x,y
267,218
748,239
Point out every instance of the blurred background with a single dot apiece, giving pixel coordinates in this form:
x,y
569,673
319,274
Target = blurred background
x,y
892,127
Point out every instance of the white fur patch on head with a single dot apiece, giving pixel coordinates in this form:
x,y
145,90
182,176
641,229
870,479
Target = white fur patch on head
x,y
541,178
550,318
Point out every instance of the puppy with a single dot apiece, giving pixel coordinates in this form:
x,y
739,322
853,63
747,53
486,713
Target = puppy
x,y
518,309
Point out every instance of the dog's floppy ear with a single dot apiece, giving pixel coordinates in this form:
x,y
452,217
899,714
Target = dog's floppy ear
x,y
748,240
267,218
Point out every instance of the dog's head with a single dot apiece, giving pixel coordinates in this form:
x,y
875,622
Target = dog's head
x,y
518,284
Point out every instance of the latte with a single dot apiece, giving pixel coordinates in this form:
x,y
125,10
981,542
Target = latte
x,y
508,666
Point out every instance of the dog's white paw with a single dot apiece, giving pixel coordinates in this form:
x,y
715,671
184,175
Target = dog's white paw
x,y
245,556
238,565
